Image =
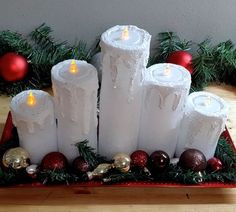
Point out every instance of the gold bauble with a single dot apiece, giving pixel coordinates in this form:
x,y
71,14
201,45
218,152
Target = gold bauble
x,y
16,158
101,169
122,162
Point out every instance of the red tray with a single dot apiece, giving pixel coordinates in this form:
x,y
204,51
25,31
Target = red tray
x,y
7,133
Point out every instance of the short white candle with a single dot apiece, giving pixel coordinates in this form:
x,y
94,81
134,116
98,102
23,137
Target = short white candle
x,y
75,85
33,116
166,87
204,120
125,51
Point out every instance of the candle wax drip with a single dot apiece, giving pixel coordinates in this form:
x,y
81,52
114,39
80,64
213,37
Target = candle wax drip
x,y
114,71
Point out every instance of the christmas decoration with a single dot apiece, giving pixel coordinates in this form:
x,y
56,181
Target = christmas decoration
x,y
122,162
42,51
193,159
79,165
16,158
32,170
182,58
13,67
53,161
159,160
214,164
99,171
139,158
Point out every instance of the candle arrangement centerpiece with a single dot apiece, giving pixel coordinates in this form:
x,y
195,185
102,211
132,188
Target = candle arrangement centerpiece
x,y
150,128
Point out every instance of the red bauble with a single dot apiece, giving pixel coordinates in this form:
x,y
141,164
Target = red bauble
x,y
79,165
159,160
54,160
139,158
181,58
13,67
214,164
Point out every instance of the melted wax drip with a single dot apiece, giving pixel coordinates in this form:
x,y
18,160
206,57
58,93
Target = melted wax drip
x,y
114,71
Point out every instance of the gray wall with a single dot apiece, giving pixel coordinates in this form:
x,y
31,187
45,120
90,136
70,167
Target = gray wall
x,y
86,19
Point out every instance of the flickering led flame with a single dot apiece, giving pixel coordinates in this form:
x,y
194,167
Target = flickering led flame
x,y
167,70
31,100
73,67
125,34
207,101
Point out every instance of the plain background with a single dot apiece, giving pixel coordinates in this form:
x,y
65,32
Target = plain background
x,y
87,19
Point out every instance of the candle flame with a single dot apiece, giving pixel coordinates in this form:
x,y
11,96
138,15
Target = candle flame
x,y
207,101
73,67
167,70
125,34
31,100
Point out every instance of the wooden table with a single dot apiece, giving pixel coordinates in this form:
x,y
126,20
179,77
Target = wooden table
x,y
75,198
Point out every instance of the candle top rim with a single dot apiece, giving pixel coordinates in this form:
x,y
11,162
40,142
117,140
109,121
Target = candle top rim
x,y
60,72
185,77
145,38
19,104
224,107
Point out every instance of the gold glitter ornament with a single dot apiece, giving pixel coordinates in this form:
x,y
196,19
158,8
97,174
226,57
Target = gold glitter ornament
x,y
16,158
122,162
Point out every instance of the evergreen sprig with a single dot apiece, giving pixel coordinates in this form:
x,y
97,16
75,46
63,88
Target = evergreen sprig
x,y
89,154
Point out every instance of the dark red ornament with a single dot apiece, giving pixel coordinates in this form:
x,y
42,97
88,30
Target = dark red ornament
x,y
193,159
79,165
214,164
182,58
54,160
139,158
159,160
13,67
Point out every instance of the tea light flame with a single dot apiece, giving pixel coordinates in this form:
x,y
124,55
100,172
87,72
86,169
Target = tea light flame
x,y
31,100
167,70
73,67
125,34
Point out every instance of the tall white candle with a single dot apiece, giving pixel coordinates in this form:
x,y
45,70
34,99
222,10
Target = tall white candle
x,y
204,120
125,51
33,115
166,87
75,85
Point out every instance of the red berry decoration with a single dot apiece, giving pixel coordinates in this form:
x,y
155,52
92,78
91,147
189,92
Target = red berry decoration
x,y
139,158
182,58
54,160
13,67
79,165
214,164
193,159
159,160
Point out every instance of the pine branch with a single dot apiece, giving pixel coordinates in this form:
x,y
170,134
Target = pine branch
x,y
89,155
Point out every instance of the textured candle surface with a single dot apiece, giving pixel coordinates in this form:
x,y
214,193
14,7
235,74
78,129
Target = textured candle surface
x,y
75,96
166,87
204,120
36,124
123,64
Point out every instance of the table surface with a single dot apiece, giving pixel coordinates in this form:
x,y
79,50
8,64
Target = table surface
x,y
76,198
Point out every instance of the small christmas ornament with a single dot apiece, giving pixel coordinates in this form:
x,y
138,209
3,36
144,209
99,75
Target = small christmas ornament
x,y
79,165
53,161
214,164
182,58
122,162
139,158
174,161
159,160
102,169
32,171
16,158
13,67
193,159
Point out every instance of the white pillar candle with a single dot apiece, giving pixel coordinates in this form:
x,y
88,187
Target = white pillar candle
x,y
125,51
33,116
75,85
166,87
204,120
